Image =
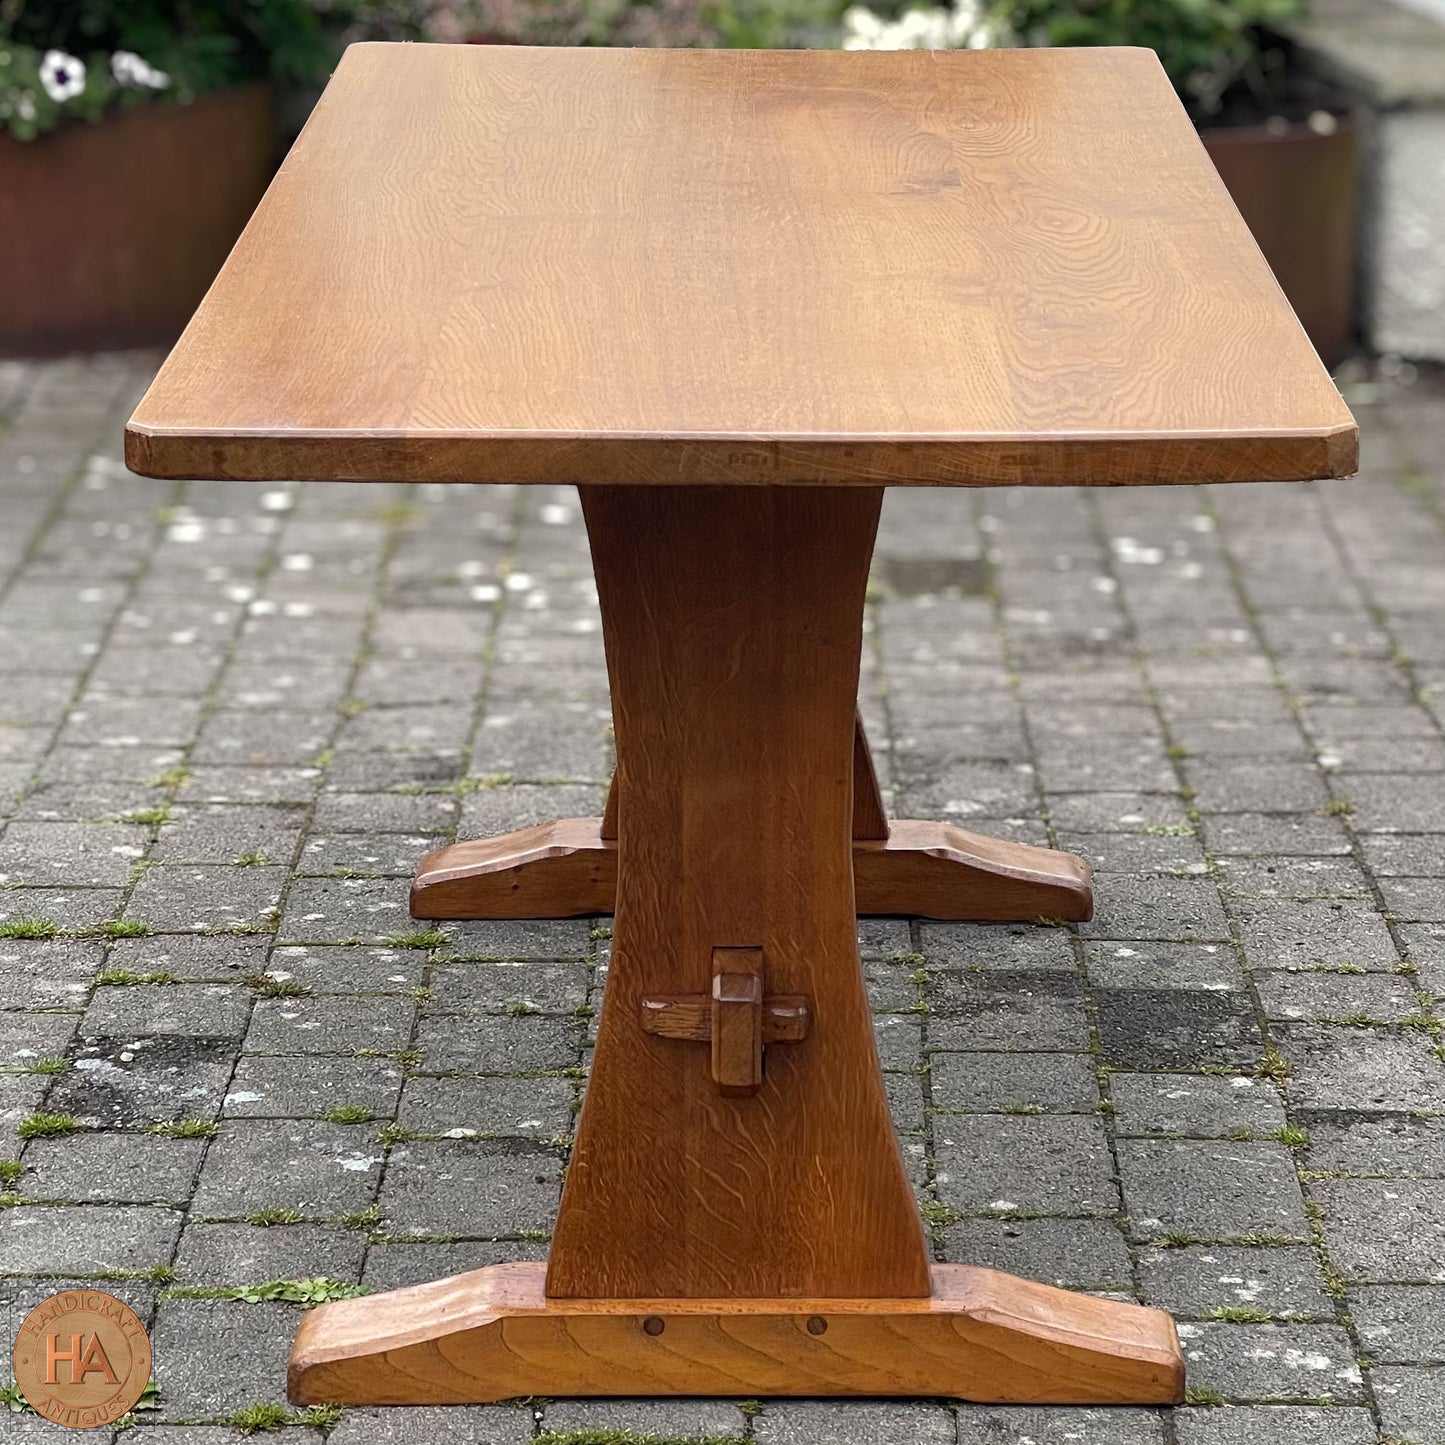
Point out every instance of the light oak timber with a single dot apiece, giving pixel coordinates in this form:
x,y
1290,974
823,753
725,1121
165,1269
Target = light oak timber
x,y
732,623
567,869
688,1016
869,819
756,268
495,1334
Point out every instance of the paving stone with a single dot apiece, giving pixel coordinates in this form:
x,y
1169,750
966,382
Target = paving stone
x,y
1084,1254
1395,803
292,1087
126,1082
175,898
662,1419
1411,1402
1379,997
346,910
214,1357
86,1239
1057,1425
80,909
527,1108
69,854
205,1010
1196,1280
1138,852
25,1037
899,1039
1157,908
480,1188
425,1424
390,855
836,1422
515,940
1282,877
1391,1145
1014,1083
1210,1189
1313,934
385,812
56,973
1176,1028
1203,1105
1415,899
1361,1068
1390,1230
1275,1425
216,783
197,956
498,1044
253,738
393,1266
1401,1324
1148,966
217,1255
346,969
1409,856
330,1025
514,988
316,1169
1045,1164
1272,1362
1009,947
1276,833
1002,1010
20,1096
112,1168
225,832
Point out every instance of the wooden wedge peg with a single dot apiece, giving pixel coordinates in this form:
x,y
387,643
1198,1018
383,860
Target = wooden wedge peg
x,y
737,1029
737,1020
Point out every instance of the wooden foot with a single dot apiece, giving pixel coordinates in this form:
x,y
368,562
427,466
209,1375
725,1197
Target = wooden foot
x,y
921,869
493,1334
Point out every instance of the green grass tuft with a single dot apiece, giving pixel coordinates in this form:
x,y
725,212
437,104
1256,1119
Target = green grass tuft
x,y
47,1126
29,928
347,1114
185,1129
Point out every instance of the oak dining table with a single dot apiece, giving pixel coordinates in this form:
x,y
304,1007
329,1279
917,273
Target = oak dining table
x,y
733,296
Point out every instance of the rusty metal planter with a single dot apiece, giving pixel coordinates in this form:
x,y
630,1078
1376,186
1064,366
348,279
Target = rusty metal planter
x,y
1297,192
110,233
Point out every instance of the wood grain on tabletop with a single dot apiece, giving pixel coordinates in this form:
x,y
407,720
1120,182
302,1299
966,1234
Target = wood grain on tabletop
x,y
485,263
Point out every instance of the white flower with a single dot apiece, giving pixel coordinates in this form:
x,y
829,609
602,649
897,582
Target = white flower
x,y
961,27
130,69
62,75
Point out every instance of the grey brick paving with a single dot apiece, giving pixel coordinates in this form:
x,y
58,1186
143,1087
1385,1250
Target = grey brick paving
x,y
233,717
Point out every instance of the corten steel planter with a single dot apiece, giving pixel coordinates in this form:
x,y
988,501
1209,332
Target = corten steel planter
x,y
1297,192
110,233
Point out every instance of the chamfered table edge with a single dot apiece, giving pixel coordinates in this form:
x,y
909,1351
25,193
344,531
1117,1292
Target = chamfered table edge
x,y
961,460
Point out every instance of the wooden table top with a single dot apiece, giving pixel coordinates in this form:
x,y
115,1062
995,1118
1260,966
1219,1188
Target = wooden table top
x,y
967,268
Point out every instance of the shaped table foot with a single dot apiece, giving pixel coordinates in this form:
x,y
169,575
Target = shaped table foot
x,y
921,869
493,1334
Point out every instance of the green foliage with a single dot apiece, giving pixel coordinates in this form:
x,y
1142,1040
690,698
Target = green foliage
x,y
185,1129
300,1291
46,1126
347,1114
1207,47
29,928
186,48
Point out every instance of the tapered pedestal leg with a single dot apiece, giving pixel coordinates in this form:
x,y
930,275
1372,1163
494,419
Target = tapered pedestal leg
x,y
736,1218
